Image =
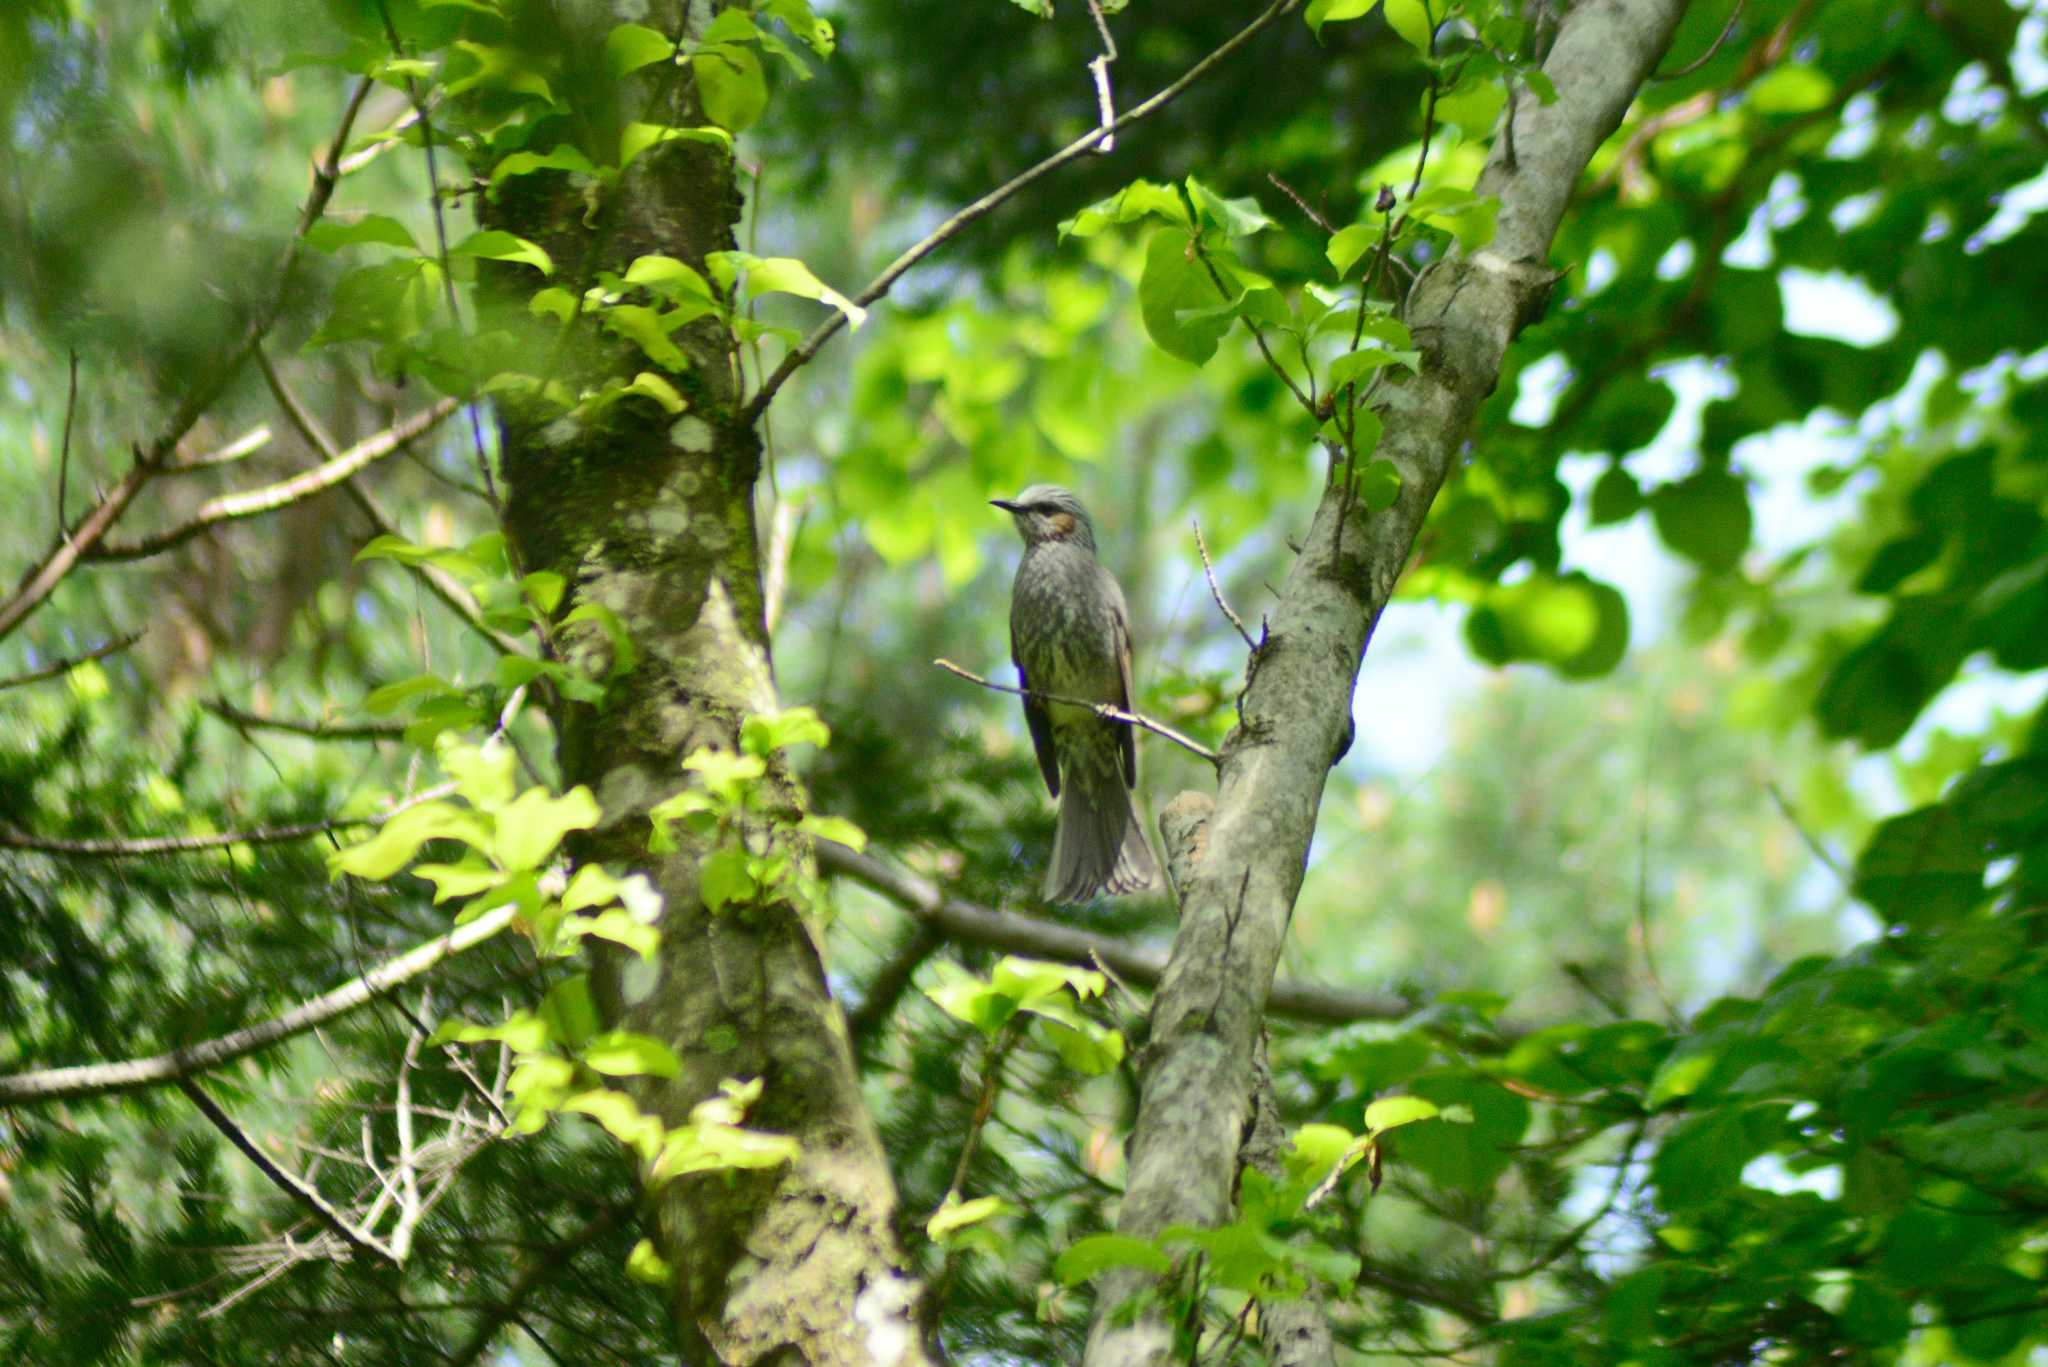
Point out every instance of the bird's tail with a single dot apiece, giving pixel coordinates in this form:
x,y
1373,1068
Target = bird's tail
x,y
1100,845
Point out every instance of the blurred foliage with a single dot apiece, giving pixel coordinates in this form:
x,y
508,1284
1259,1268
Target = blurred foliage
x,y
1718,890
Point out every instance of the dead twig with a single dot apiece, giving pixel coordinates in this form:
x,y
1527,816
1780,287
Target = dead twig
x,y
1107,711
1216,592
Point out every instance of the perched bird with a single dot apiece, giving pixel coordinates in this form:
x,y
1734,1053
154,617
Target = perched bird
x,y
1070,634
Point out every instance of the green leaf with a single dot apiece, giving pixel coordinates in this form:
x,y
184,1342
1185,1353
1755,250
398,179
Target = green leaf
x,y
834,828
629,47
1391,1112
648,330
1577,626
1412,20
1470,218
1379,482
620,1053
619,927
1322,12
674,280
1087,1048
482,774
1705,518
466,879
1175,281
400,838
562,158
494,245
798,18
1353,365
1029,980
1790,88
620,1116
1139,199
592,886
723,878
1236,217
766,733
787,275
330,235
1085,1258
1348,244
955,1214
533,824
1923,869
638,137
1616,497
730,84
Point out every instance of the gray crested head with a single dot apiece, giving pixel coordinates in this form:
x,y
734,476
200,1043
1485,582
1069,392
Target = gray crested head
x,y
1047,513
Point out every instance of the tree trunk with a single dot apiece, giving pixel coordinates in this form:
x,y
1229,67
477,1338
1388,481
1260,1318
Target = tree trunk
x,y
652,516
1296,712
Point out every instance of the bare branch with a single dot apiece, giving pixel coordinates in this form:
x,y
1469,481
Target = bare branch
x,y
344,465
1217,593
70,662
43,578
1105,99
248,444
139,847
103,1079
1734,16
64,457
313,730
1107,711
1044,939
439,582
298,1188
980,208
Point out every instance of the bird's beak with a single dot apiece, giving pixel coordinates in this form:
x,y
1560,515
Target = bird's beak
x,y
1004,504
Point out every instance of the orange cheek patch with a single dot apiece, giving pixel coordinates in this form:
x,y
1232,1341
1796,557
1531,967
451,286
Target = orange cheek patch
x,y
1062,524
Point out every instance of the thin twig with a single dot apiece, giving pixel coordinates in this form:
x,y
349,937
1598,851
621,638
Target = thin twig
x,y
314,730
102,1079
1107,711
344,465
299,1190
137,847
42,579
1319,219
438,581
64,455
953,226
1696,63
1216,592
70,662
1105,99
1807,837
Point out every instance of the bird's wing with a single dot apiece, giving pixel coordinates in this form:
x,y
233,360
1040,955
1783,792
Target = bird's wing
x,y
1040,722
1127,735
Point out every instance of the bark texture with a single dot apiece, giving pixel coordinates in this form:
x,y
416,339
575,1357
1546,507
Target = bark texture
x,y
1196,1103
651,516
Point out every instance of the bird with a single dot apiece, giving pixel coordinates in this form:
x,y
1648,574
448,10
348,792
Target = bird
x,y
1070,635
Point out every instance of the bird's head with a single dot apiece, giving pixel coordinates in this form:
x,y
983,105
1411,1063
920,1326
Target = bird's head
x,y
1046,512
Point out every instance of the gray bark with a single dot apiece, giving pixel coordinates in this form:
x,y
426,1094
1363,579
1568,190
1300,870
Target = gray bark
x,y
652,517
1296,711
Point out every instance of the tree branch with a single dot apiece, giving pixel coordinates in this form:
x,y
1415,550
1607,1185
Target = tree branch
x,y
1107,711
1042,939
43,577
70,662
980,208
103,1079
313,730
341,465
1463,310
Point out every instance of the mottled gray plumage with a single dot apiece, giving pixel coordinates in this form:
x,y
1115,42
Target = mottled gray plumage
x,y
1070,634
